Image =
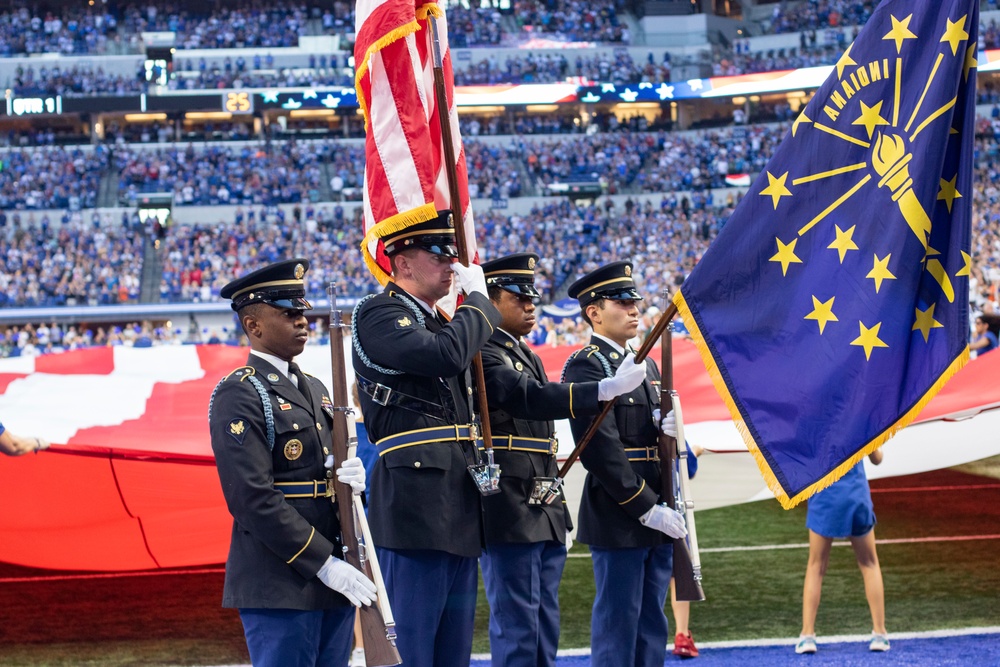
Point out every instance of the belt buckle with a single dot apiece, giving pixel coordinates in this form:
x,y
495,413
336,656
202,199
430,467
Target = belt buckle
x,y
473,432
381,394
652,454
553,445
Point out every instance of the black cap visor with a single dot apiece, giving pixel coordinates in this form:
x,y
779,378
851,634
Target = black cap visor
x,y
620,294
521,289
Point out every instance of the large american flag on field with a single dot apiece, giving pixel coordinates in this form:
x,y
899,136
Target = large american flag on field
x,y
406,181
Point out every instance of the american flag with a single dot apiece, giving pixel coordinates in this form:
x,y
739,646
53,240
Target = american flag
x,y
406,180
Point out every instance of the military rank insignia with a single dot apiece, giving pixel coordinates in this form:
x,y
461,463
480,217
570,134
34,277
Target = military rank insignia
x,y
403,322
293,449
238,430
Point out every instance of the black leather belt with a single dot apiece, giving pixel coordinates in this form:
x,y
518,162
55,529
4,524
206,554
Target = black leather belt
x,y
311,489
514,443
642,453
385,395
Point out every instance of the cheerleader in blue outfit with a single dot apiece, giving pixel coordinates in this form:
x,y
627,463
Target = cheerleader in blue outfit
x,y
844,509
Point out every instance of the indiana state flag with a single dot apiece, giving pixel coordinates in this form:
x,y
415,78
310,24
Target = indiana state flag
x,y
834,303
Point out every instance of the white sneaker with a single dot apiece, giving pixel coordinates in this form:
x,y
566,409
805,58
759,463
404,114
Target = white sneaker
x,y
807,644
879,643
358,658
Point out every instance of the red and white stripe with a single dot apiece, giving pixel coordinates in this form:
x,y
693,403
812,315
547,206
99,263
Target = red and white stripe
x,y
406,181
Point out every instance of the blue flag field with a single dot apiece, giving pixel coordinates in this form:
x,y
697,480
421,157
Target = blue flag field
x,y
834,303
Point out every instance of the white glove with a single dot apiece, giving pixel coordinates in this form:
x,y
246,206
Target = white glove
x,y
628,376
470,278
352,471
569,541
348,581
669,424
667,521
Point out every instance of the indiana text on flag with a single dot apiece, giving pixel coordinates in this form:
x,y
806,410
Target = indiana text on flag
x,y
406,181
834,303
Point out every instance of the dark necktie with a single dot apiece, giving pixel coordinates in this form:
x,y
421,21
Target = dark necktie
x,y
294,371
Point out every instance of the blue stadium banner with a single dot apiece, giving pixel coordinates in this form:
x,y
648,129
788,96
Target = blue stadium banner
x,y
834,303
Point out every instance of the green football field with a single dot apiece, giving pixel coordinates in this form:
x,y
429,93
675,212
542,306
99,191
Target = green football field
x,y
938,534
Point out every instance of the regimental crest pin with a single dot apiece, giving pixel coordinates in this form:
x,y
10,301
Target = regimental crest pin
x,y
272,377
293,449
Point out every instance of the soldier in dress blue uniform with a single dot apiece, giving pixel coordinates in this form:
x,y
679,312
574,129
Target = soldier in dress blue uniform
x,y
416,394
525,538
271,429
621,519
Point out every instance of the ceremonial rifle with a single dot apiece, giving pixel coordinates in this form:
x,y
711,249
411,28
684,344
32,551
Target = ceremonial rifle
x,y
687,565
640,357
486,476
378,628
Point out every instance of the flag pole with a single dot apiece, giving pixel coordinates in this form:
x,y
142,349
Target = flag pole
x,y
447,141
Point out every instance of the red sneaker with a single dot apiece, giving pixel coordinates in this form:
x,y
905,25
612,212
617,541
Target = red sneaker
x,y
684,646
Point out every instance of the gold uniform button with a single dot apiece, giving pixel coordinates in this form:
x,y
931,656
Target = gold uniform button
x,y
326,451
319,427
631,400
295,426
329,474
416,464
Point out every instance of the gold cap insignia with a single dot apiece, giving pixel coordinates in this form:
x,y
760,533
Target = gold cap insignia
x,y
593,293
273,377
299,271
451,219
531,262
628,270
237,427
293,449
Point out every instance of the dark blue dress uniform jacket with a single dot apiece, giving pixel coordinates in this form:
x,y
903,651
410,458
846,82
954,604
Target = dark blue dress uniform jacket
x,y
278,544
523,403
617,491
422,497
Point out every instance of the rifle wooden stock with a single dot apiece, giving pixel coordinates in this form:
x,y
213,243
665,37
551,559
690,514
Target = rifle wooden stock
x,y
378,634
686,580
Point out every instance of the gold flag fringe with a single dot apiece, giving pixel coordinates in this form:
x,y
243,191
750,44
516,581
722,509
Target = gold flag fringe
x,y
765,470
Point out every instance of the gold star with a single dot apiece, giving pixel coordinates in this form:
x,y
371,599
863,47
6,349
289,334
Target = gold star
x,y
785,255
967,269
822,313
869,339
900,32
803,118
955,34
880,272
776,188
845,60
948,192
925,321
970,60
870,117
844,242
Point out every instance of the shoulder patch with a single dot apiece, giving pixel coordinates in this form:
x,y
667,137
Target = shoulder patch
x,y
242,373
237,429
